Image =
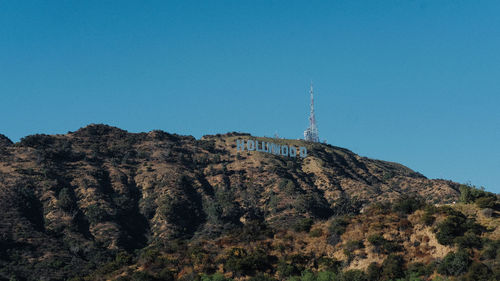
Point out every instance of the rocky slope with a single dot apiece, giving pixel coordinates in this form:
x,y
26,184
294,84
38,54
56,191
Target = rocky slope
x,y
69,203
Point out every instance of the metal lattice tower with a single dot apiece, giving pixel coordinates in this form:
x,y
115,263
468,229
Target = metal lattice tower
x,y
311,134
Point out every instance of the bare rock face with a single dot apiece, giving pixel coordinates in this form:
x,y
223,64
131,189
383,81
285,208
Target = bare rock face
x,y
80,195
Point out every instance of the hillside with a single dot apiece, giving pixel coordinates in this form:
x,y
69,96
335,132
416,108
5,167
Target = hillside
x,y
107,204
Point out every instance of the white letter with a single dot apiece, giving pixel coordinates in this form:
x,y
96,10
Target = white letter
x,y
240,145
257,146
276,149
293,151
250,145
303,152
284,150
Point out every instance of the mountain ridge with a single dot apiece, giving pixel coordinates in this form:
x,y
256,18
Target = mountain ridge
x,y
81,197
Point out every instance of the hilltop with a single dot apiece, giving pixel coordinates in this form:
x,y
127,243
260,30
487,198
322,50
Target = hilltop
x,y
108,204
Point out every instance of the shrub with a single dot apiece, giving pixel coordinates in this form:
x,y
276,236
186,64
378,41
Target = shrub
x,y
353,275
30,206
346,205
314,204
183,209
288,187
491,249
392,267
407,205
214,277
353,245
142,276
455,226
469,194
261,277
454,263
303,225
478,272
383,245
428,217
329,264
224,208
317,232
373,272
376,239
486,202
419,269
66,199
326,276
285,269
307,276
243,263
469,240
96,214
37,141
450,228
338,226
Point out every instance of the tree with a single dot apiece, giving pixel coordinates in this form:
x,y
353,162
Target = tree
x,y
392,267
454,263
478,272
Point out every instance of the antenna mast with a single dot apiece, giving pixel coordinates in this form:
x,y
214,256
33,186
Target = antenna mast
x,y
311,133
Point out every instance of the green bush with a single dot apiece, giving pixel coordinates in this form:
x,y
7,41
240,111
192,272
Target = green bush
x,y
419,269
30,206
243,263
353,245
486,202
317,232
329,264
407,204
303,225
478,272
455,263
338,226
66,199
383,245
223,211
491,249
428,217
469,240
353,275
261,277
346,206
182,209
469,194
285,269
214,277
308,276
142,276
456,224
326,276
392,267
96,214
373,272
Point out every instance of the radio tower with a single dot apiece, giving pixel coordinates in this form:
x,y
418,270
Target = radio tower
x,y
311,134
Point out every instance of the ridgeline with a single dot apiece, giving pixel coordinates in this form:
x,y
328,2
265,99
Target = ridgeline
x,y
105,204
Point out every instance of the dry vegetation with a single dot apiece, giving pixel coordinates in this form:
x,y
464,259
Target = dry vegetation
x,y
101,203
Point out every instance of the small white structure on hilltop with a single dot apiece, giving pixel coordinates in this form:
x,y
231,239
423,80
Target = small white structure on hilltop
x,y
311,134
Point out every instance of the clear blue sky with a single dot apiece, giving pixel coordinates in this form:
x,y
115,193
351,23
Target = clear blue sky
x,y
415,82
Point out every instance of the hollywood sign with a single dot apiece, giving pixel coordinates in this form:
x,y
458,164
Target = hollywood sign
x,y
273,148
